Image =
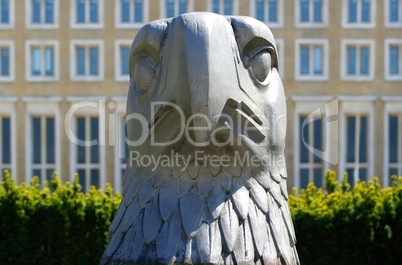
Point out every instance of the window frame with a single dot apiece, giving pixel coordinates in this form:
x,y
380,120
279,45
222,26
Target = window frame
x,y
10,45
162,8
311,23
359,24
343,67
324,43
281,55
387,22
101,60
87,25
270,24
86,107
42,25
131,24
41,107
387,44
117,59
357,106
7,109
28,62
11,14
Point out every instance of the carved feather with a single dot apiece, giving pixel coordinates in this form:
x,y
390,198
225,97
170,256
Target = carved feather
x,y
152,220
229,224
258,227
191,210
259,195
146,193
239,197
168,198
216,200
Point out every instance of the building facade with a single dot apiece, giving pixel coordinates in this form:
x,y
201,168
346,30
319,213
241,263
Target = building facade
x,y
340,61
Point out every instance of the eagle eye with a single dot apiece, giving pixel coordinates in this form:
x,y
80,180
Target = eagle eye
x,y
145,71
259,62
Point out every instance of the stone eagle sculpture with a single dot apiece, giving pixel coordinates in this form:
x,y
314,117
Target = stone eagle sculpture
x,y
206,120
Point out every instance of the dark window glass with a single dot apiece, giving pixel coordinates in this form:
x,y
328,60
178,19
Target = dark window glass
x,y
36,140
304,60
182,6
95,178
393,139
317,138
169,8
352,11
363,140
138,11
95,136
36,11
5,61
81,130
49,14
317,10
125,10
273,11
304,10
394,60
36,61
93,11
392,171
81,11
94,61
80,61
351,180
49,61
351,132
5,11
227,7
259,10
365,10
364,61
37,173
393,10
81,179
304,135
351,60
49,174
318,178
363,174
318,60
6,140
215,6
125,58
50,140
304,178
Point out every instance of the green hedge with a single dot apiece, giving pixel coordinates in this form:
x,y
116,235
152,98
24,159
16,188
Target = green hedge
x,y
59,224
55,225
355,226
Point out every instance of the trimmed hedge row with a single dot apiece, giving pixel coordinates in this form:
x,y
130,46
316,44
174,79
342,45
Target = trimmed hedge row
x,y
55,225
58,224
342,225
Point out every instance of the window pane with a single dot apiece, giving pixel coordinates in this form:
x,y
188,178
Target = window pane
x,y
169,8
215,6
80,61
393,10
366,11
227,7
182,6
304,135
259,10
50,141
318,178
364,60
318,61
125,57
351,60
36,11
363,141
37,173
304,10
94,178
304,178
393,60
81,131
125,10
304,60
351,132
93,11
317,138
138,11
5,61
317,10
94,61
6,140
352,11
81,11
36,61
49,57
81,179
95,136
5,11
363,174
36,140
351,179
49,174
273,11
49,15
393,139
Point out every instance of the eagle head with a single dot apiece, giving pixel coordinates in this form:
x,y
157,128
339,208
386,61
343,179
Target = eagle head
x,y
206,122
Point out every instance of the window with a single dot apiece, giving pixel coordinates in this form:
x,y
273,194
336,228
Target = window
x,y
393,13
6,13
393,59
359,13
311,60
131,13
280,46
223,7
42,13
5,144
43,147
122,60
87,58
86,14
6,61
42,61
268,11
173,8
311,13
358,60
88,157
394,145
